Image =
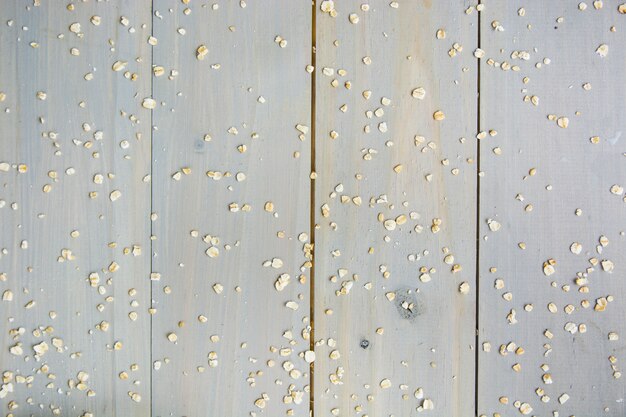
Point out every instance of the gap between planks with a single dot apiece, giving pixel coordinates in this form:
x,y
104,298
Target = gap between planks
x,y
312,212
477,243
151,205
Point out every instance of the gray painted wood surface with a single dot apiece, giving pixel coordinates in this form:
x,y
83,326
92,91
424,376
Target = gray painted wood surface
x,y
556,44
362,254
393,333
64,145
247,91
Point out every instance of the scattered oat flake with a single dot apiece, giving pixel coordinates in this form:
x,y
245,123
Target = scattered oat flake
x,y
602,50
149,103
548,267
419,93
115,195
494,225
201,52
562,122
213,252
119,65
576,248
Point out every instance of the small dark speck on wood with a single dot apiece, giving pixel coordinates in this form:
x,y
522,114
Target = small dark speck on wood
x,y
199,146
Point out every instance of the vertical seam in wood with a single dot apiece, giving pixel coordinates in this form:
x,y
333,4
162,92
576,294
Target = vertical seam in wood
x,y
151,197
477,312
312,215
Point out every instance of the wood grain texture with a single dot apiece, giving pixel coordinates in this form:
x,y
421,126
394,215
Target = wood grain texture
x,y
247,91
158,208
533,163
62,146
361,257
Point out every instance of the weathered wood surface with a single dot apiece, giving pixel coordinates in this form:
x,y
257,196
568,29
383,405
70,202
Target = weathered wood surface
x,y
212,152
247,91
395,200
536,176
67,118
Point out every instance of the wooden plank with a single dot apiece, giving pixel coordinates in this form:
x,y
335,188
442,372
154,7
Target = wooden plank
x,y
246,91
533,163
375,237
67,117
